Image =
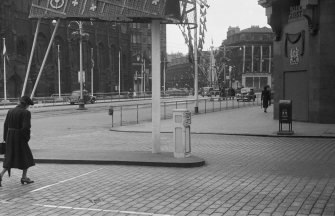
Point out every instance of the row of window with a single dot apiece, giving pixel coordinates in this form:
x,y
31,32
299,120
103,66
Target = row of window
x,y
250,37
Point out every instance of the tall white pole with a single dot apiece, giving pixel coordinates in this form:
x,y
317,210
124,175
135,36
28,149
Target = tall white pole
x,y
196,58
31,57
45,58
4,70
92,71
59,90
156,82
119,87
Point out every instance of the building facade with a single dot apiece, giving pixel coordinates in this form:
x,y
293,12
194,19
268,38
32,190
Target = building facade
x,y
108,53
247,57
304,51
141,55
180,73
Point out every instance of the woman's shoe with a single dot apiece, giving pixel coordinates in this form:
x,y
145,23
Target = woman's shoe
x,y
26,180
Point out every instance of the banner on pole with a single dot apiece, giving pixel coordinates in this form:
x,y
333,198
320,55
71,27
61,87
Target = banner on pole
x,y
108,10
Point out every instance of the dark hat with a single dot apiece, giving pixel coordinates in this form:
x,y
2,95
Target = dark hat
x,y
26,100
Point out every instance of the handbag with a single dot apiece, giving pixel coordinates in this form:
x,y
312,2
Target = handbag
x,y
2,147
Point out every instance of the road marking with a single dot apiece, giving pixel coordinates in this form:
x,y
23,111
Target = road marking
x,y
101,210
60,182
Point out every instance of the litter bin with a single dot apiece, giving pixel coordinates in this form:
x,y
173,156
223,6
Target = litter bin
x,y
285,116
111,112
181,133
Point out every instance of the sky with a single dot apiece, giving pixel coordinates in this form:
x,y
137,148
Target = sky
x,y
220,15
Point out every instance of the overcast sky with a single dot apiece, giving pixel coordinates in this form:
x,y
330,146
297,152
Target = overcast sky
x,y
220,15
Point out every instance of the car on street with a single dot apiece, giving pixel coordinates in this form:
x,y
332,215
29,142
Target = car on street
x,y
74,98
176,92
246,94
205,91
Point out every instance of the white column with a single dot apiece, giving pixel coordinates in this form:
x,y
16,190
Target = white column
x,y
156,82
195,49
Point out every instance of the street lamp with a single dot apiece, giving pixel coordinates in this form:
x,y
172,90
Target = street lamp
x,y
81,73
224,58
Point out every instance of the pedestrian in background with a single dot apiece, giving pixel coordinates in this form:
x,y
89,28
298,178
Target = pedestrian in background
x,y
266,97
16,134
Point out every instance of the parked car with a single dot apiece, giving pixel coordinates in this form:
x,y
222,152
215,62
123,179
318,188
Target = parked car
x,y
205,91
247,94
176,92
75,97
215,92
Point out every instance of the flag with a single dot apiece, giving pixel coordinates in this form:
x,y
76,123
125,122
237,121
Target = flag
x,y
4,51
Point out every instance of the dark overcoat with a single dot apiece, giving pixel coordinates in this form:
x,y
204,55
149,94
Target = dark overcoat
x,y
266,98
16,133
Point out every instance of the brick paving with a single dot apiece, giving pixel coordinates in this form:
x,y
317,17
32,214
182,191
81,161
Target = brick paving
x,y
243,175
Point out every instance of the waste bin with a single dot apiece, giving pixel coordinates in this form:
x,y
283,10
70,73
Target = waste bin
x,y
285,116
110,110
182,133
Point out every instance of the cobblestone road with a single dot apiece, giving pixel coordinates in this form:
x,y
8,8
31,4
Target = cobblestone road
x,y
243,176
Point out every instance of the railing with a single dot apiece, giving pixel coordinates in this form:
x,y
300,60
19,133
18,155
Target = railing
x,y
135,114
139,112
55,100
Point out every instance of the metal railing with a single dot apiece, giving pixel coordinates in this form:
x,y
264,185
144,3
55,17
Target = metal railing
x,y
54,99
135,114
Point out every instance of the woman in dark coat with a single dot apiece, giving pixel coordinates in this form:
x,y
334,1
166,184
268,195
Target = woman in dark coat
x,y
266,97
16,134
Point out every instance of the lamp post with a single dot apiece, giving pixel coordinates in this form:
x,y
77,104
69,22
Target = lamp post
x,y
54,22
58,63
81,101
224,64
81,72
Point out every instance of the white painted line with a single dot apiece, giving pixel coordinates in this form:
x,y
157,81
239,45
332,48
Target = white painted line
x,y
50,206
65,207
132,212
38,189
101,210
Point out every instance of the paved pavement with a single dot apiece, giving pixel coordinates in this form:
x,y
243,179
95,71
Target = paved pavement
x,y
243,175
243,121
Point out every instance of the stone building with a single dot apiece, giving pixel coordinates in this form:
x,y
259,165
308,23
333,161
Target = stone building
x,y
107,51
247,54
141,55
304,51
